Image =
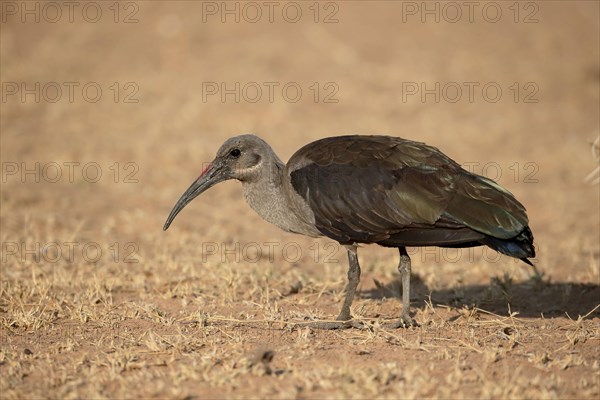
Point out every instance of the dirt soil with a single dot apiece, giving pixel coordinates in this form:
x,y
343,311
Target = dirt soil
x,y
110,111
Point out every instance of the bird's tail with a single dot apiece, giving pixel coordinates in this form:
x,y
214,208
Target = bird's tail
x,y
520,246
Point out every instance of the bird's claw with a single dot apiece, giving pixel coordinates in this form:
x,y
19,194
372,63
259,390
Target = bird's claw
x,y
333,325
405,321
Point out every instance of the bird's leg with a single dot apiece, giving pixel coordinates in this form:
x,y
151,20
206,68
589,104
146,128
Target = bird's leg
x,y
353,280
404,269
344,319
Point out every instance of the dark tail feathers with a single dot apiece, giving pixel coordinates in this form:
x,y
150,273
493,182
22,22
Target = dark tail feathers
x,y
521,246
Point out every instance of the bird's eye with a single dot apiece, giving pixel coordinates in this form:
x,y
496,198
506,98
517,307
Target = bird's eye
x,y
235,153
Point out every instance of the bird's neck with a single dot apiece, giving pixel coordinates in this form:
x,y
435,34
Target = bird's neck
x,y
267,196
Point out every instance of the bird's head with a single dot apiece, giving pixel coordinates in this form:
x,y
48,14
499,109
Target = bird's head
x,y
243,157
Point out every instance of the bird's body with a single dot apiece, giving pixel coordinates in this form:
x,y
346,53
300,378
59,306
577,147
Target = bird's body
x,y
396,192
371,189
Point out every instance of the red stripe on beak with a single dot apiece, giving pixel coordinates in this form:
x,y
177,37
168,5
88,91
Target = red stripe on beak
x,y
205,170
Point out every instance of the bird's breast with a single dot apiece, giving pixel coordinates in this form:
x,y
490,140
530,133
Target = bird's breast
x,y
272,203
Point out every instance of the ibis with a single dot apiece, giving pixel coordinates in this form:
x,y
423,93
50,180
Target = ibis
x,y
380,190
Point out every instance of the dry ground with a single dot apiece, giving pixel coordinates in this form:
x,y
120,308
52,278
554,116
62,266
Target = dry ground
x,y
214,307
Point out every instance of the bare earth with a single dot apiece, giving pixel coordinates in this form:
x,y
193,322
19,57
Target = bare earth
x,y
96,301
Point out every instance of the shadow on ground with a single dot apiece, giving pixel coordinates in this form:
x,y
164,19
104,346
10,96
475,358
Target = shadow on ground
x,y
531,299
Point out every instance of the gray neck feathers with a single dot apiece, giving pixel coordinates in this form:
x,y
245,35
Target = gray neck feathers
x,y
266,194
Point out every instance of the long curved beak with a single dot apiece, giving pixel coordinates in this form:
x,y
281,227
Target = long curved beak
x,y
212,175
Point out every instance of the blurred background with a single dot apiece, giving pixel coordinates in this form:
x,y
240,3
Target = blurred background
x,y
145,92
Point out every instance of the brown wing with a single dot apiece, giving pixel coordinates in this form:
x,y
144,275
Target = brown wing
x,y
380,189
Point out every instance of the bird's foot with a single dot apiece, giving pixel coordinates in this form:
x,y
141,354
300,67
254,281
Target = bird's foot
x,y
332,325
343,321
405,321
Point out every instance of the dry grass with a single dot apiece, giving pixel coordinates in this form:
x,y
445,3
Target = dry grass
x,y
168,315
